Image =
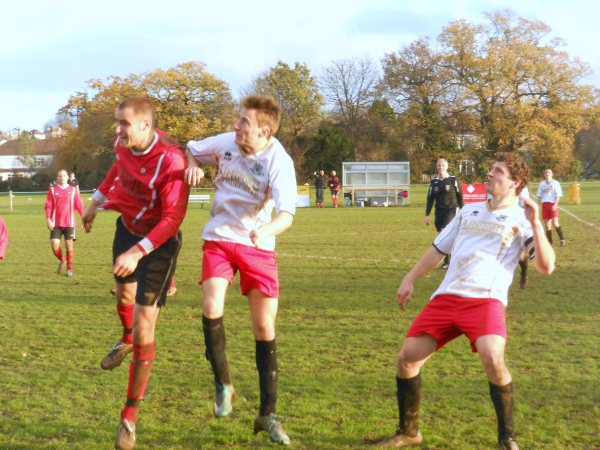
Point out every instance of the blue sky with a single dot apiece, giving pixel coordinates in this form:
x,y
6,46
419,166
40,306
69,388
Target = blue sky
x,y
48,50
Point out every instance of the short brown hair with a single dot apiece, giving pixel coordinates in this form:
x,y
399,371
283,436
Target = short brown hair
x,y
268,109
139,106
517,168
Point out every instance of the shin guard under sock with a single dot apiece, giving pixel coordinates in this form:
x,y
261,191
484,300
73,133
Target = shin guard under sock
x,y
503,400
409,395
214,340
126,316
139,374
266,364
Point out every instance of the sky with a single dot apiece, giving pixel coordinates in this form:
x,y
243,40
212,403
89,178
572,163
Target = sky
x,y
50,50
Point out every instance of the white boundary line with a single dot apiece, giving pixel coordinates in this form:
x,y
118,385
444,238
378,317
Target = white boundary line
x,y
579,219
335,258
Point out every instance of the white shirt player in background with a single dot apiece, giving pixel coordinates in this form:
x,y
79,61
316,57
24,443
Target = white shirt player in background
x,y
549,192
485,240
255,175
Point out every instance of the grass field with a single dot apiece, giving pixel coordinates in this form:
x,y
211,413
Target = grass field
x,y
338,333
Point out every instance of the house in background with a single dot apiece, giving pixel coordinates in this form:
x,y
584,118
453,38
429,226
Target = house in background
x,y
12,166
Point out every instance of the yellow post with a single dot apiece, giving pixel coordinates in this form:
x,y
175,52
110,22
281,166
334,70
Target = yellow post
x,y
575,194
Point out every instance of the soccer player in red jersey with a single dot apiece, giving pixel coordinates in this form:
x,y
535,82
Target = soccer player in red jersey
x,y
145,184
62,202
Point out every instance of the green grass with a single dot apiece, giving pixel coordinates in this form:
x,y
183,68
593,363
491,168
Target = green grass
x,y
338,332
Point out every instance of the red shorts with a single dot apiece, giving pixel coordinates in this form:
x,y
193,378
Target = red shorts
x,y
446,317
547,212
258,268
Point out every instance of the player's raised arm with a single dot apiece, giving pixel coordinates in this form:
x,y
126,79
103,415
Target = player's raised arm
x,y
430,259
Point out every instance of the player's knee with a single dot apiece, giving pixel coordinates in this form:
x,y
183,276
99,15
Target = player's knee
x,y
406,365
264,330
493,362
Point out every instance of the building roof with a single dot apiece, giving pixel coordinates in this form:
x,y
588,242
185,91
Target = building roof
x,y
41,146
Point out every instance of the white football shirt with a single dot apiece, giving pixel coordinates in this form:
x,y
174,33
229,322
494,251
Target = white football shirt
x,y
549,192
485,245
247,187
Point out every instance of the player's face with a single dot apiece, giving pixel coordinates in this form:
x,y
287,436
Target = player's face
x,y
248,134
61,178
132,130
499,180
442,167
548,175
333,174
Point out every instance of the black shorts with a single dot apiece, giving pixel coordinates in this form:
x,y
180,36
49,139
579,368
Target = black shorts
x,y
67,232
154,271
443,217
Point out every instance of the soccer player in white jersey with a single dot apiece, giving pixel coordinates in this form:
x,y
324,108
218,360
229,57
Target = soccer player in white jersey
x,y
486,240
549,192
255,175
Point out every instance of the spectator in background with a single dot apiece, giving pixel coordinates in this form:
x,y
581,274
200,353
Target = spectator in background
x,y
445,192
62,202
319,187
549,192
73,181
333,183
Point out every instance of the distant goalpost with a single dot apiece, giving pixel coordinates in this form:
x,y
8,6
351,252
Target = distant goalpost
x,y
376,183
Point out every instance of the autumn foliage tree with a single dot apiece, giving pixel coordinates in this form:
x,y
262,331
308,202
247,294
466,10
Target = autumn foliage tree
x,y
190,104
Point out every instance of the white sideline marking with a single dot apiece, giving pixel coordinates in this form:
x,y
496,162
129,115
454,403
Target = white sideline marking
x,y
335,258
579,219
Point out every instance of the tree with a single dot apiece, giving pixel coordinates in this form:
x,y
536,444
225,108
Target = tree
x,y
505,80
329,148
350,87
191,104
297,92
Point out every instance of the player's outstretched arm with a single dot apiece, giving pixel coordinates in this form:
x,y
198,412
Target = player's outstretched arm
x,y
544,256
426,264
193,173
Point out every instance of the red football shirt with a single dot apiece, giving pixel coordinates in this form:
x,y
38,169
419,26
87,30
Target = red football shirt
x,y
61,204
147,188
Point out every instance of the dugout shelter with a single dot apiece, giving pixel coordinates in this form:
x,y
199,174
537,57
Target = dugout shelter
x,y
376,183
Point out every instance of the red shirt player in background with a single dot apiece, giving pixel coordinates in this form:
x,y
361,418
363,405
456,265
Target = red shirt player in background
x,y
3,238
334,185
145,184
61,203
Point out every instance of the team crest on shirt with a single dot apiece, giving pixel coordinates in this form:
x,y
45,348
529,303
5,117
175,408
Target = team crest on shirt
x,y
474,213
143,170
228,156
257,169
502,218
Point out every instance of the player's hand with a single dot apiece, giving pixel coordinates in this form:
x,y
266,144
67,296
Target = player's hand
x,y
88,217
126,263
193,175
50,224
257,237
426,220
404,293
531,210
554,207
